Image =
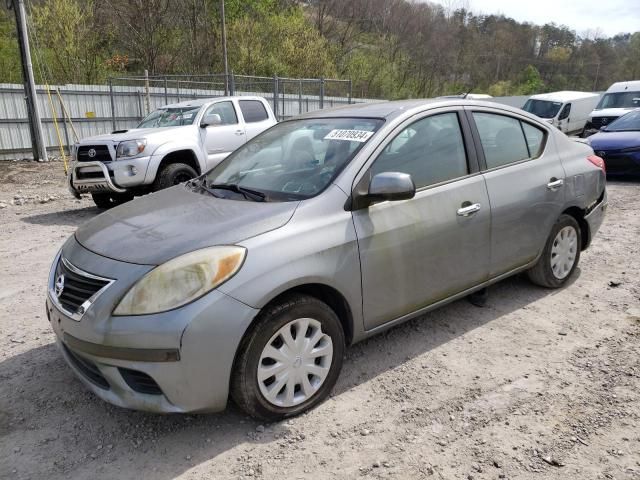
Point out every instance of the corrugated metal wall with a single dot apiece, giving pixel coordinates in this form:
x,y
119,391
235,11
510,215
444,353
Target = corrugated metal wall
x,y
89,107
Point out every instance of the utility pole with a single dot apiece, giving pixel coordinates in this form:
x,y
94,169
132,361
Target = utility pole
x,y
595,83
224,50
35,125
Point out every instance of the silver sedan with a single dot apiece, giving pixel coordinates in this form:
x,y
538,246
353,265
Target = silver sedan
x,y
252,279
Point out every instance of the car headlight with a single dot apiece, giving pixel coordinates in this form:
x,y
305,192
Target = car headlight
x,y
130,148
181,280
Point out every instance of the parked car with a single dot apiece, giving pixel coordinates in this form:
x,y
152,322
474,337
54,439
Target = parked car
x,y
171,145
322,231
619,99
568,111
619,145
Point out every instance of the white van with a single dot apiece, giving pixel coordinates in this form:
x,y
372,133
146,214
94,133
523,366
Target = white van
x,y
568,111
619,99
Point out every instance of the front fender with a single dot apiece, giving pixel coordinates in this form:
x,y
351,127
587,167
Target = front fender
x,y
170,147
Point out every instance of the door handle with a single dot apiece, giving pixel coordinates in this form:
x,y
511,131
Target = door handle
x,y
239,132
555,183
468,210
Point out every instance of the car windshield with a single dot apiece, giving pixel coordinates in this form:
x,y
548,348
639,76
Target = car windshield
x,y
627,123
293,160
542,108
170,117
619,100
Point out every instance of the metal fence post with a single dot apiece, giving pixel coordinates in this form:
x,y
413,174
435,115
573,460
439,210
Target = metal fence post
x,y
232,86
178,89
113,104
321,93
166,92
275,95
299,96
350,91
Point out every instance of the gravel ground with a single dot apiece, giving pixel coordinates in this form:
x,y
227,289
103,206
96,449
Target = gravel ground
x,y
538,384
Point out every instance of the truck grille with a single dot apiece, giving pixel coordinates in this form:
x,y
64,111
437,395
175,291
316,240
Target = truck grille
x,y
72,287
94,153
598,122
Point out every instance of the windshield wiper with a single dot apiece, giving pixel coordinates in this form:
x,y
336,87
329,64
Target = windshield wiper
x,y
248,193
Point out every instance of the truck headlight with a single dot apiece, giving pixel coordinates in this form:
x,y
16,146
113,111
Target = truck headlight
x,y
181,280
130,148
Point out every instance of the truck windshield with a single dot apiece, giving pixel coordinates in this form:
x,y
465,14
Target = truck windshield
x,y
293,160
170,117
542,108
619,100
627,123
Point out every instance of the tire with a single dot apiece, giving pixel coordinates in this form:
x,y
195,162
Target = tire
x,y
250,394
173,174
566,230
110,200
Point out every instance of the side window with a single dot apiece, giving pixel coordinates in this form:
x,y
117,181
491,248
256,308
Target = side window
x,y
431,150
225,110
565,112
535,139
253,111
502,139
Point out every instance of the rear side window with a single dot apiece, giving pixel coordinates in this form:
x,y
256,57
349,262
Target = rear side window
x,y
431,150
253,111
506,140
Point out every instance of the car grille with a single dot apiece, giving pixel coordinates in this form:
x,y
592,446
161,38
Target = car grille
x,y
72,287
598,122
101,154
87,368
140,382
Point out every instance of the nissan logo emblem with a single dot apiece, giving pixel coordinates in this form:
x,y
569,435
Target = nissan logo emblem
x,y
59,286
91,152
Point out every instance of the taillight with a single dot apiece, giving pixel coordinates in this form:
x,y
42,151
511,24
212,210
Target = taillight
x,y
598,162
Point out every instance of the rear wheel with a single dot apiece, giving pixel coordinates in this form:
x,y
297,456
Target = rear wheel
x,y
174,174
109,200
291,359
560,256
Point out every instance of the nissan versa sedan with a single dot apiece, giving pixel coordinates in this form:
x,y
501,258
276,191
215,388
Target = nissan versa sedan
x,y
251,280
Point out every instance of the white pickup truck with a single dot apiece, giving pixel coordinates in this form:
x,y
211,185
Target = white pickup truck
x,y
171,145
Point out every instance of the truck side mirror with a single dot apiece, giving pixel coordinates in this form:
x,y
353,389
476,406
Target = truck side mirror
x,y
211,119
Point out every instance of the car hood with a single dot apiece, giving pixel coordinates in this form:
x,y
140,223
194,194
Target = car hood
x,y
158,227
610,112
614,140
132,134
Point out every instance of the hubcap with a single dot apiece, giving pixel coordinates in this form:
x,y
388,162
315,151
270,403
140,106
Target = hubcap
x,y
295,363
563,252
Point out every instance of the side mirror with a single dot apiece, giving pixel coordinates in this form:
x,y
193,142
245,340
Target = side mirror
x,y
211,120
391,186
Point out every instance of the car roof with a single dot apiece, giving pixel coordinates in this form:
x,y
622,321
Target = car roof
x,y
563,96
633,85
203,101
396,108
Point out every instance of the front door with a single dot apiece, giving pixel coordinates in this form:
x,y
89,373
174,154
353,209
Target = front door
x,y
525,181
221,140
416,252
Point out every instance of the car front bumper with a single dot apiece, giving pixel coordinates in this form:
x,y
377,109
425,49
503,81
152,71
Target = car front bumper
x,y
176,361
108,177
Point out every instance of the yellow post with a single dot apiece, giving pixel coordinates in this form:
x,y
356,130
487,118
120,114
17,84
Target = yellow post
x,y
67,116
55,124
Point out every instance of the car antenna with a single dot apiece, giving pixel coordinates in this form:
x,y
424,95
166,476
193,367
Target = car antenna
x,y
464,95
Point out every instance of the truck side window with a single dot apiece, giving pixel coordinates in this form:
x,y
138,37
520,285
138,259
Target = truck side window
x,y
565,112
225,110
253,111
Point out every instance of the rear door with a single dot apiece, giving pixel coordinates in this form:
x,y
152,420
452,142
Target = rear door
x,y
220,140
525,182
418,251
256,117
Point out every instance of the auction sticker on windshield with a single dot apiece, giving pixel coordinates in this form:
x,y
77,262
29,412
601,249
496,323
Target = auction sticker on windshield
x,y
349,135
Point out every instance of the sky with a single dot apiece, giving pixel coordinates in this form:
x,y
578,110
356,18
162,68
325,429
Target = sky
x,y
607,17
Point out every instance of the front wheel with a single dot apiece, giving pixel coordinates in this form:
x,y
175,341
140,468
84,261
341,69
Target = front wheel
x,y
290,360
174,174
560,256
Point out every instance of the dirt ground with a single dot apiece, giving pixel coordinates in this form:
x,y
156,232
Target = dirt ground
x,y
539,384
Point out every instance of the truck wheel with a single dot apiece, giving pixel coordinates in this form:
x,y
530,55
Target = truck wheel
x,y
109,200
290,360
174,174
560,256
